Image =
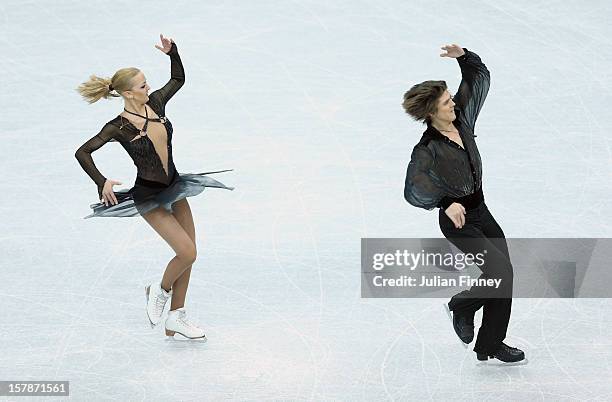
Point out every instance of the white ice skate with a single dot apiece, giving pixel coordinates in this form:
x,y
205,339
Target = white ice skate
x,y
156,302
177,323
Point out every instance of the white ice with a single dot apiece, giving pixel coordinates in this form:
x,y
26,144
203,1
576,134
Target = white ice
x,y
302,99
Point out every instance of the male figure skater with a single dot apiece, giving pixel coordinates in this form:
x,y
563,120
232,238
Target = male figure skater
x,y
445,171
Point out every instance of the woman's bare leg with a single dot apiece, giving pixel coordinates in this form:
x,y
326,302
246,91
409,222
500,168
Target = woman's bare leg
x,y
167,226
182,213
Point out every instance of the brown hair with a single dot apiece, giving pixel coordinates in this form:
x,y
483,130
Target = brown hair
x,y
97,88
422,99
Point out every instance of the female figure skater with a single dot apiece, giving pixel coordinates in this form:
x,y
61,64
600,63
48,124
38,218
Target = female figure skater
x,y
160,193
445,171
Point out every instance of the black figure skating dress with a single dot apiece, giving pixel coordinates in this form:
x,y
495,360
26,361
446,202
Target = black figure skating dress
x,y
156,185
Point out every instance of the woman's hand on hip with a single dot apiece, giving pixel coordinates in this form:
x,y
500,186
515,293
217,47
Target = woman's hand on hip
x,y
108,196
456,213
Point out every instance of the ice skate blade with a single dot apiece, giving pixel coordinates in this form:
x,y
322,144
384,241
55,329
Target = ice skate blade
x,y
147,290
450,317
499,363
177,336
495,362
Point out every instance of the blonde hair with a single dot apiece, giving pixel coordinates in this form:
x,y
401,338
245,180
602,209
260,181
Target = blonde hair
x,y
97,88
422,99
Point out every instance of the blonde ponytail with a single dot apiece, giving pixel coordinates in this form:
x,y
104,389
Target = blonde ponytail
x,y
97,88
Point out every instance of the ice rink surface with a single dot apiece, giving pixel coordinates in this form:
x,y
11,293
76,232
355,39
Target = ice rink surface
x,y
302,99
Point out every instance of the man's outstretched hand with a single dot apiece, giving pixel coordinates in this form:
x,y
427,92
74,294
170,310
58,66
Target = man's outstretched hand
x,y
453,51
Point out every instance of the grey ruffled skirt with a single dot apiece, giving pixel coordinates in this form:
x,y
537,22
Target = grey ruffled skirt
x,y
143,198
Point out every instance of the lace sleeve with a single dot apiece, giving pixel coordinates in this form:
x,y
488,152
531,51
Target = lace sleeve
x,y
177,78
83,155
422,188
474,86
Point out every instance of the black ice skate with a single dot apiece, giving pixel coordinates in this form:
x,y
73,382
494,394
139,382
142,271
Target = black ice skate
x,y
505,353
463,324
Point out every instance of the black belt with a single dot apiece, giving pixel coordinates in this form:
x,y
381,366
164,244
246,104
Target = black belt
x,y
471,201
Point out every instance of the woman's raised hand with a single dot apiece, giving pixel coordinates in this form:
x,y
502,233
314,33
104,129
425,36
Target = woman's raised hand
x,y
453,50
108,196
166,44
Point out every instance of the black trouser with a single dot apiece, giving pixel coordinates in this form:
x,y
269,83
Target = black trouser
x,y
481,231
